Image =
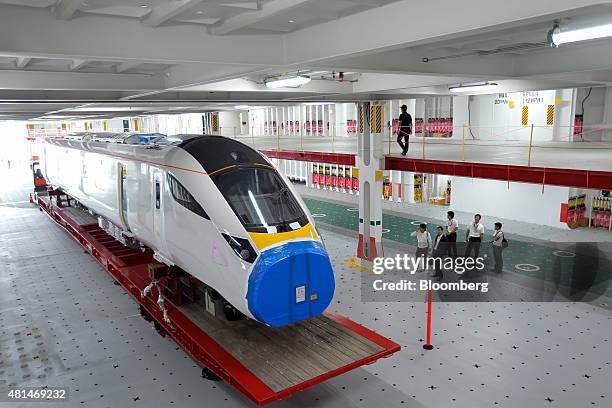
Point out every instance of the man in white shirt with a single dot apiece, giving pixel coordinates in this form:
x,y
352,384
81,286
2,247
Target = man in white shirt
x,y
423,242
452,226
474,236
439,250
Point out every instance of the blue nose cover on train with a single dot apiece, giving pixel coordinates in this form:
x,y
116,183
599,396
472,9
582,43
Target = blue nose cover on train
x,y
291,282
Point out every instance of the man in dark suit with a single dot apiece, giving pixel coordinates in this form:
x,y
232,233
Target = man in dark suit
x,y
404,130
440,249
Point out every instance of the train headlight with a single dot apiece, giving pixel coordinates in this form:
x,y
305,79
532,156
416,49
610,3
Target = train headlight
x,y
242,247
245,254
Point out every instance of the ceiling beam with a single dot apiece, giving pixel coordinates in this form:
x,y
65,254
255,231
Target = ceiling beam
x,y
22,62
339,38
166,11
77,64
88,38
127,65
248,5
368,3
242,20
65,9
77,81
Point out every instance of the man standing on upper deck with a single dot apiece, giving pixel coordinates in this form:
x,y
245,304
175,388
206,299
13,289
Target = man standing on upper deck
x,y
404,130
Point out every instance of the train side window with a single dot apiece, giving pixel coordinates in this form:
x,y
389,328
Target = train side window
x,y
184,198
157,195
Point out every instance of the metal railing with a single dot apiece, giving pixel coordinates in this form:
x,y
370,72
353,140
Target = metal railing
x,y
522,145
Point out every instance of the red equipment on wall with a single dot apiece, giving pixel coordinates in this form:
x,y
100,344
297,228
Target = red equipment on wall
x,y
328,178
578,124
418,125
348,180
334,178
342,177
351,126
315,174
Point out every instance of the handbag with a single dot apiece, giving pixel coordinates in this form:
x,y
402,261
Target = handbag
x,y
504,243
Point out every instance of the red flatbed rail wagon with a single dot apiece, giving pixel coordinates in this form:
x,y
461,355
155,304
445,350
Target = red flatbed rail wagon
x,y
265,364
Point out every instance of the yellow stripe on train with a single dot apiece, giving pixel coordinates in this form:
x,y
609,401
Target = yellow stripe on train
x,y
263,240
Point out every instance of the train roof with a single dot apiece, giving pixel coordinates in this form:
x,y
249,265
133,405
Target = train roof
x,y
216,153
213,153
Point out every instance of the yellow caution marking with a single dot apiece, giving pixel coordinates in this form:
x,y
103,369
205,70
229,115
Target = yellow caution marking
x,y
376,115
353,263
525,116
215,122
361,119
550,114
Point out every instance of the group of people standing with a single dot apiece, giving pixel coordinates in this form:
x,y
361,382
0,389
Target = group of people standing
x,y
444,243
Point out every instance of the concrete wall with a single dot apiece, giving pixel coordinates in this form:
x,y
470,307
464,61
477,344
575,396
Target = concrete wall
x,y
175,124
15,147
521,201
460,115
229,121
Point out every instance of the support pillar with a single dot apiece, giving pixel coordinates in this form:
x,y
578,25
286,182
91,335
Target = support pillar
x,y
369,162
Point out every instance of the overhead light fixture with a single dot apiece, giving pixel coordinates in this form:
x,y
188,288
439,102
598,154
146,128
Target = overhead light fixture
x,y
291,21
558,36
242,107
287,82
485,86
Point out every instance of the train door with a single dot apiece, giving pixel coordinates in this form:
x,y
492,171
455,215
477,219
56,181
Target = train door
x,y
122,201
158,205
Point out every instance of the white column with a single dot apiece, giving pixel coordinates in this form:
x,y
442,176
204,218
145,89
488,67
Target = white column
x,y
309,117
286,119
607,118
293,118
408,187
563,117
332,120
368,160
277,120
460,116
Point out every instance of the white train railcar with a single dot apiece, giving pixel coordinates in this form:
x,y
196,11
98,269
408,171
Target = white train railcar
x,y
212,206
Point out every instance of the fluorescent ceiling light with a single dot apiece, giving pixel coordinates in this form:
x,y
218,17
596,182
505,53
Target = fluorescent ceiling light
x,y
486,86
556,36
242,107
319,103
287,82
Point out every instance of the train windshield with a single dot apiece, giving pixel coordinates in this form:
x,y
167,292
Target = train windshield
x,y
261,199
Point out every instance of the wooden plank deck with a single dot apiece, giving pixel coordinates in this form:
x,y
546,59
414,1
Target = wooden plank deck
x,y
283,357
